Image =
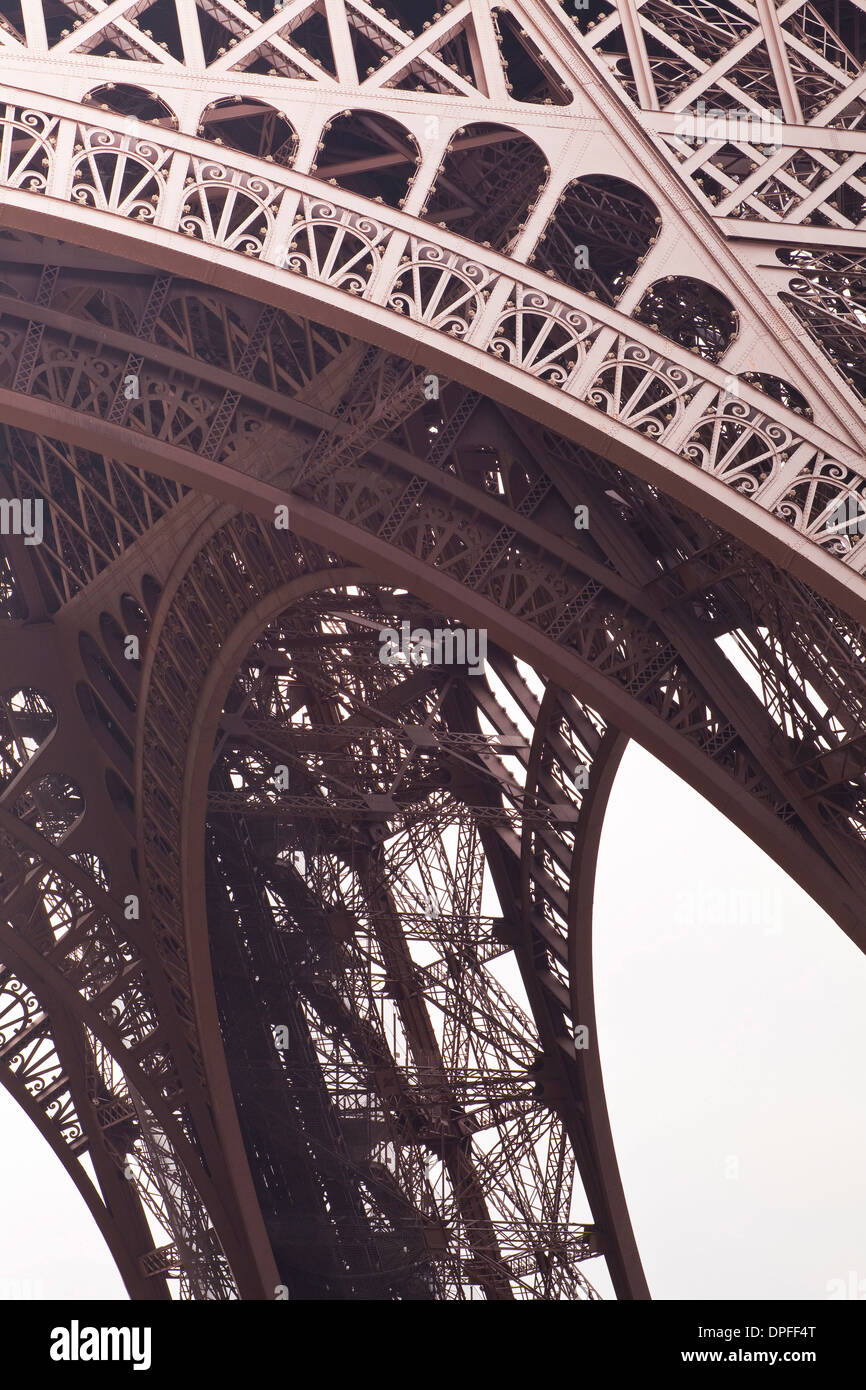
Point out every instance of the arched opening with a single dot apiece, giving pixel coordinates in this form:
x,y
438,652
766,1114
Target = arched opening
x,y
339,869
602,229
136,620
123,802
489,182
151,590
692,313
781,391
105,729
251,126
125,100
104,677
368,154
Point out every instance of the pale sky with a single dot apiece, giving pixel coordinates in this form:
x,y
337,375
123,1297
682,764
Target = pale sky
x,y
733,1031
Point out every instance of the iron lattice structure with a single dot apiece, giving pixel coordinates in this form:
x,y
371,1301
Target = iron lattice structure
x,y
296,944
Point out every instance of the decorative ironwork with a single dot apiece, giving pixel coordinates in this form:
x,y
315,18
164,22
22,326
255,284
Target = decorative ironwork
x,y
295,941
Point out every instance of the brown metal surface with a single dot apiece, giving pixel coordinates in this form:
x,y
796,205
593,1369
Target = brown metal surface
x,y
296,944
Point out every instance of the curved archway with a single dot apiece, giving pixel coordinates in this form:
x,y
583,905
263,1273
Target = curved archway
x,y
241,773
370,154
692,313
488,183
124,99
601,230
781,391
250,125
335,535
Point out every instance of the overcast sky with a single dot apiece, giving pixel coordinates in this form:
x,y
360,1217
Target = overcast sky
x,y
733,1031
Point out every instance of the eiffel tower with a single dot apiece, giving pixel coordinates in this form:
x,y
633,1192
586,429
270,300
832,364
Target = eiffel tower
x,y
534,324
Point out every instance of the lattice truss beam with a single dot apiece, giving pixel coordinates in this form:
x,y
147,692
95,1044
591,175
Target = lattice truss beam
x,y
410,905
407,907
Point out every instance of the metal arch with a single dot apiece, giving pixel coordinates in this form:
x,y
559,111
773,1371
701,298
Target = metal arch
x,y
250,486
731,209
591,1122
192,859
192,819
574,397
218,677
582,979
326,529
274,494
